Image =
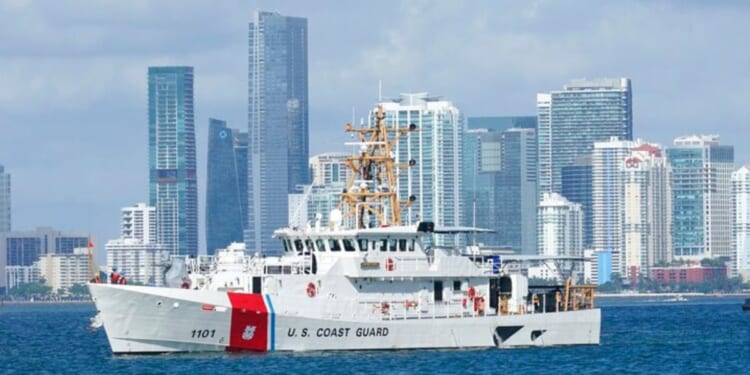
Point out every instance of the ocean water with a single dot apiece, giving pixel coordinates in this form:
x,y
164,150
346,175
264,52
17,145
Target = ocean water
x,y
704,335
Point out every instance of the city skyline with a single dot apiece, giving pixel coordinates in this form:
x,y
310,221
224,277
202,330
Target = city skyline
x,y
79,102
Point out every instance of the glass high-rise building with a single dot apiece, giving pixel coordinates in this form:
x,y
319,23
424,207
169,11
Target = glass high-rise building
x,y
226,186
435,180
4,200
278,149
572,119
576,187
501,123
701,197
499,180
173,186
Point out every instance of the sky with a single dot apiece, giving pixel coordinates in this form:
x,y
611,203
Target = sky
x,y
73,78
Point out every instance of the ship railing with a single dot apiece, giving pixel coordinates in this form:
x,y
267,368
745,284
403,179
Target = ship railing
x,y
402,309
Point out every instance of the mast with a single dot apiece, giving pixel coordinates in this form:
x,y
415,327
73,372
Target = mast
x,y
371,188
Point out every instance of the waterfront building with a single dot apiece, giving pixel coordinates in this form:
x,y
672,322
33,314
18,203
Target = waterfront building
x,y
576,183
572,119
607,197
278,143
24,248
687,274
173,185
136,254
701,197
17,275
226,186
560,226
647,199
741,202
499,180
4,201
435,179
139,262
61,271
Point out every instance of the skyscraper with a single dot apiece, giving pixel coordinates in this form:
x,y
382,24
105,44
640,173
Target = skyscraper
x,y
647,221
435,180
607,197
4,201
576,187
741,200
499,186
226,187
173,188
278,147
139,222
572,119
701,197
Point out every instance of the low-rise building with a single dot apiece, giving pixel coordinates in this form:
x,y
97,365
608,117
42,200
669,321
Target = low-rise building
x,y
61,271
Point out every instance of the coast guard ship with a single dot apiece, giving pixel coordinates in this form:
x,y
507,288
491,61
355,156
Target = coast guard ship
x,y
350,284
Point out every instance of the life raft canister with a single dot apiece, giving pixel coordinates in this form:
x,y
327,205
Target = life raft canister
x,y
471,293
311,290
390,265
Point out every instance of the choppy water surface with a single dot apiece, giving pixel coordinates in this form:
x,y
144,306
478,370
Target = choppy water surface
x,y
639,335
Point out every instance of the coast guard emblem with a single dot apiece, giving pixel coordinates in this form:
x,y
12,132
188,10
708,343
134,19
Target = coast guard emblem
x,y
249,332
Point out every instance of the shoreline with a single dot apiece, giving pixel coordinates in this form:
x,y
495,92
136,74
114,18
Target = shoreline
x,y
4,302
669,294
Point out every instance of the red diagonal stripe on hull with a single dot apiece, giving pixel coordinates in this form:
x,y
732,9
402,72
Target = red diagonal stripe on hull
x,y
249,329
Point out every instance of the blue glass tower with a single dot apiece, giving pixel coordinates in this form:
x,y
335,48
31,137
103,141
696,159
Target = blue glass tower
x,y
577,187
499,173
572,119
226,187
701,198
278,148
173,187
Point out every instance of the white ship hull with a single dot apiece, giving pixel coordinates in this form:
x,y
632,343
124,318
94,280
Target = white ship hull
x,y
153,320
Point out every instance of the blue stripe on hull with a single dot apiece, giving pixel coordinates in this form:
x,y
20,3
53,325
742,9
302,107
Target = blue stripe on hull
x,y
273,323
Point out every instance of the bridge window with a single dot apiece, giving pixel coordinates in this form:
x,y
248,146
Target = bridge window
x,y
334,244
384,245
412,245
298,245
320,245
348,246
402,245
309,245
392,245
362,244
287,246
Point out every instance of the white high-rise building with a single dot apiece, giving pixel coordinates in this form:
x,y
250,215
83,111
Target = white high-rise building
x,y
139,222
435,179
607,201
741,194
647,210
560,224
61,271
136,255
